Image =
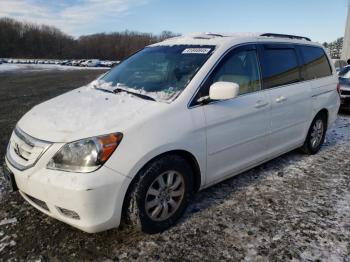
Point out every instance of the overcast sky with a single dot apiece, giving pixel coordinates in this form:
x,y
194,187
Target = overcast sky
x,y
322,20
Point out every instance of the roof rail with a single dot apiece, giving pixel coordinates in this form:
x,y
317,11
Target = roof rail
x,y
214,34
286,36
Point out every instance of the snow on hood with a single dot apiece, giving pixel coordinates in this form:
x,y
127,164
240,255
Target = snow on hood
x,y
84,112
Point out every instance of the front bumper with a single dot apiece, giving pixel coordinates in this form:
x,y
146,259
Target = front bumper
x,y
91,202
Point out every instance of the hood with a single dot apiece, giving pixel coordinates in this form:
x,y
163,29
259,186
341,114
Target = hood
x,y
84,112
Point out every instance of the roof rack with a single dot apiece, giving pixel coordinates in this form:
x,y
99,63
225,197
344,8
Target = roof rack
x,y
286,36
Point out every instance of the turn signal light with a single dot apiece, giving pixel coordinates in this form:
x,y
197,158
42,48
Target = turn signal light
x,y
109,143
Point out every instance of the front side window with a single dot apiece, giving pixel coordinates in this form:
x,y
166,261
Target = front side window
x,y
279,66
316,64
240,67
160,72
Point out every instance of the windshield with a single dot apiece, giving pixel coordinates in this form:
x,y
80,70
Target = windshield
x,y
160,72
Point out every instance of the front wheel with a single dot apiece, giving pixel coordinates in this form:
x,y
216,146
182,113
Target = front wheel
x,y
160,195
316,135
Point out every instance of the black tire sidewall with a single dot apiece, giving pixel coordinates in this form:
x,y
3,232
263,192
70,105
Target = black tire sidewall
x,y
149,174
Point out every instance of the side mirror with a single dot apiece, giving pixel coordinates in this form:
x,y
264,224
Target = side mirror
x,y
223,90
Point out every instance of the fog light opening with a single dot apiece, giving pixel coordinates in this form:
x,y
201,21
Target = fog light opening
x,y
68,213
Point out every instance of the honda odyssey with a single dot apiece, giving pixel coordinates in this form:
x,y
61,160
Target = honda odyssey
x,y
174,118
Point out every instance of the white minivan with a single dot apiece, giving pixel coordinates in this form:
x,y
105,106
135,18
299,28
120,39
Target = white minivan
x,y
172,119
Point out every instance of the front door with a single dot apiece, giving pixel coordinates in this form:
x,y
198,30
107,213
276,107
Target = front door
x,y
236,129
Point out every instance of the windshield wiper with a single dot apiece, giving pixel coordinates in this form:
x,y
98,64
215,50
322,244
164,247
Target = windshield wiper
x,y
118,90
104,90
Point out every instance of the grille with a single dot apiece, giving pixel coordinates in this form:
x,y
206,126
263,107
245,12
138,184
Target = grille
x,y
38,202
345,92
23,150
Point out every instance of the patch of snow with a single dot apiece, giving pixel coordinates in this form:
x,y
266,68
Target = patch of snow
x,y
216,39
4,242
2,183
8,221
42,67
159,96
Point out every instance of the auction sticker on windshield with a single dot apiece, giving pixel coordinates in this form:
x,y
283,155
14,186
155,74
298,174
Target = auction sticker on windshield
x,y
196,51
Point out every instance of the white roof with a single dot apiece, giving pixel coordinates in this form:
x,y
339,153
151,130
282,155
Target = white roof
x,y
224,38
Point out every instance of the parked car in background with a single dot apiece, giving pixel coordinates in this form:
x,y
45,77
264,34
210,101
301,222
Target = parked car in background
x,y
344,86
115,63
172,119
75,63
339,64
106,63
80,62
91,63
64,62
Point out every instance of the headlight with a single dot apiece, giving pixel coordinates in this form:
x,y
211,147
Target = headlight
x,y
85,155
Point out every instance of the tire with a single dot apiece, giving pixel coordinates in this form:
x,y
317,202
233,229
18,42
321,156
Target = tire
x,y
316,135
149,198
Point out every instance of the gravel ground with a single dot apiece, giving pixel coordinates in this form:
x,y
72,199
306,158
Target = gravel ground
x,y
295,207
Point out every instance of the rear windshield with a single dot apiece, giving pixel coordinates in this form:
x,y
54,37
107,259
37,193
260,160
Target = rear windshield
x,y
161,72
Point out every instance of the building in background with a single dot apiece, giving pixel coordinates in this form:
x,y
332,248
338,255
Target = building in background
x,y
346,44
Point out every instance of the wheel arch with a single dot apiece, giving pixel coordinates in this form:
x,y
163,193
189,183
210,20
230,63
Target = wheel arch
x,y
325,113
189,157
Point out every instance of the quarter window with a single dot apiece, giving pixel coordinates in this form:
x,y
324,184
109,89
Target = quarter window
x,y
279,67
316,64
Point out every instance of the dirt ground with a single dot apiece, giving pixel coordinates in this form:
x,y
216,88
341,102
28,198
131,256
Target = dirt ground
x,y
295,207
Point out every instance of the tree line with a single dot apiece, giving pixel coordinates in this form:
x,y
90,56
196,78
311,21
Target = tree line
x,y
27,40
335,48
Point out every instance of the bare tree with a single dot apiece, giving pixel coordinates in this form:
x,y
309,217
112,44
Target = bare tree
x,y
24,40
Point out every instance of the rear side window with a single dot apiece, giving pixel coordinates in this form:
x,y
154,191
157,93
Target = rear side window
x,y
316,64
279,66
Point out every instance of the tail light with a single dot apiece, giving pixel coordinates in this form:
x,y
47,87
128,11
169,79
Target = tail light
x,y
338,88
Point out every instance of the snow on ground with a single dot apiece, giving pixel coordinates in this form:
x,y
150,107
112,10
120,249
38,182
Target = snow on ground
x,y
41,67
293,208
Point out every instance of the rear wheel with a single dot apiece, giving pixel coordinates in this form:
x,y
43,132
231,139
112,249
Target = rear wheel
x,y
316,135
160,195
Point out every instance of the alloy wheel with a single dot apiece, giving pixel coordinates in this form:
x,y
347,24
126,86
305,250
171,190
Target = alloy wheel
x,y
165,195
317,133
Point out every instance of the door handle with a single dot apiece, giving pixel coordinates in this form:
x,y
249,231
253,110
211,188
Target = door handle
x,y
280,99
260,104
